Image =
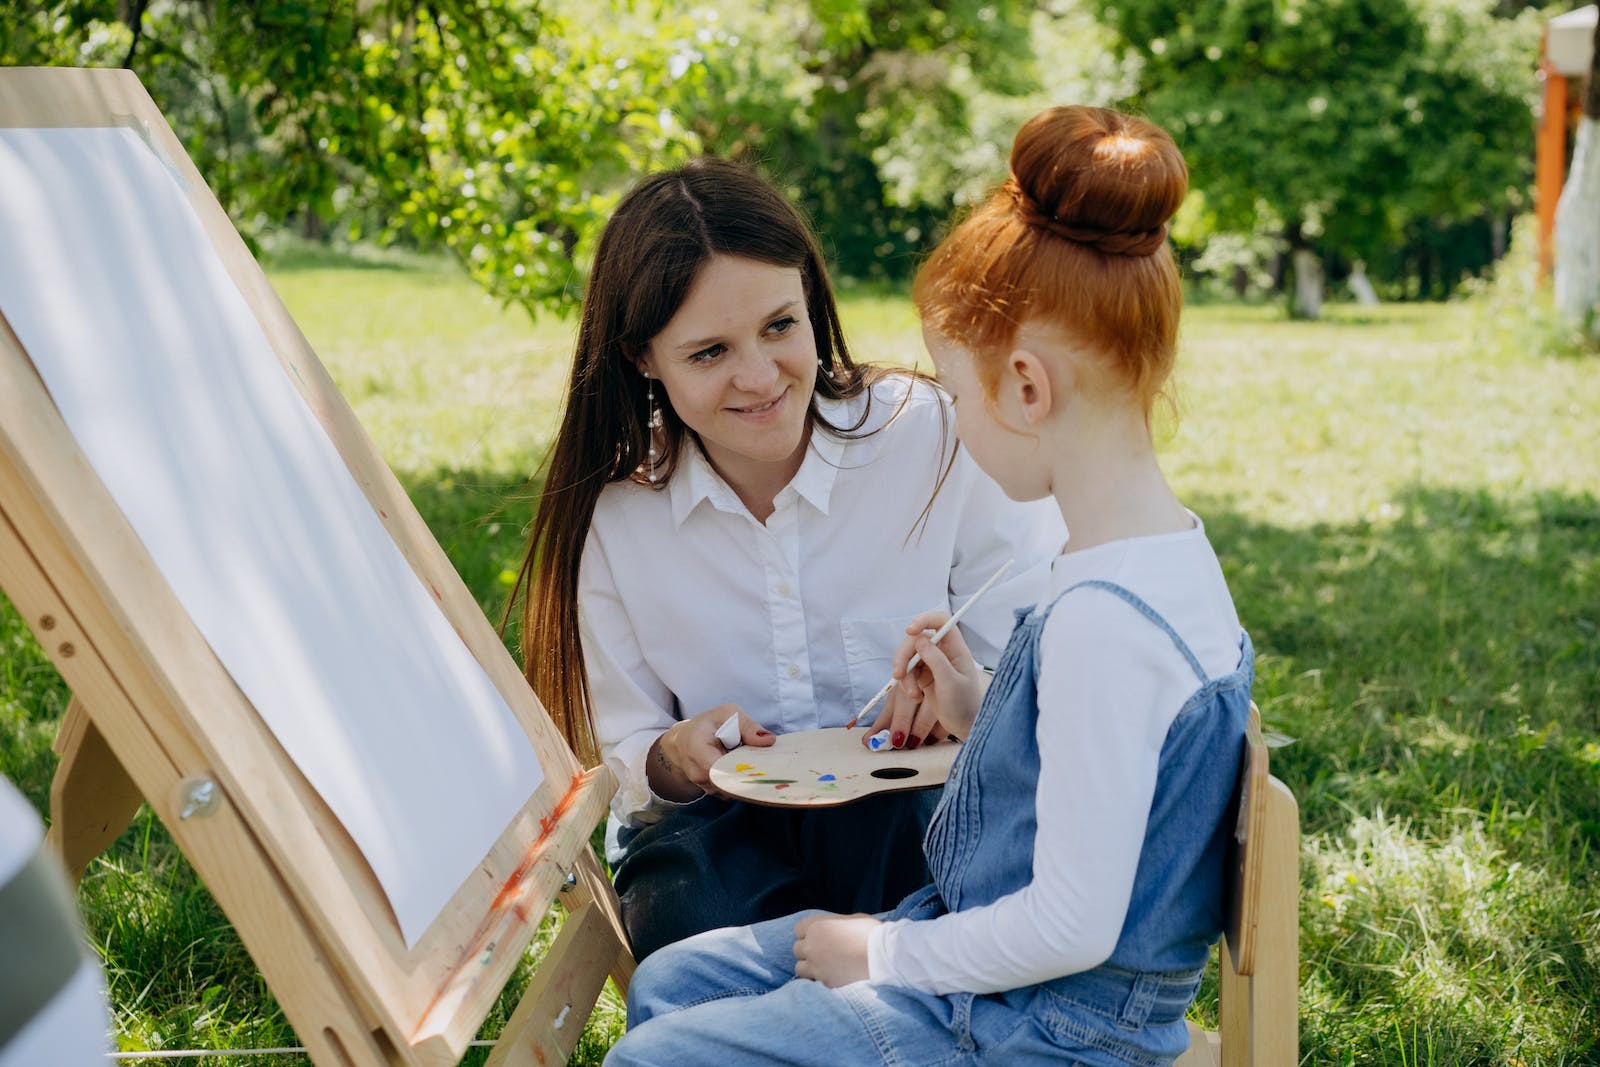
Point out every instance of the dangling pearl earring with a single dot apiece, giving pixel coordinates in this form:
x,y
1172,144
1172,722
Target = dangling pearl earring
x,y
653,421
827,370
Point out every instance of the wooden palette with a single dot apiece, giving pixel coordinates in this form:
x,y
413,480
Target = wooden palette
x,y
825,768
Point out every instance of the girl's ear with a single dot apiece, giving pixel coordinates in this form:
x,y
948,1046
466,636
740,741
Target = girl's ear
x,y
643,365
1030,385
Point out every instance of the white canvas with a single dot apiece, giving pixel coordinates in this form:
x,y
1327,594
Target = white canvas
x,y
167,382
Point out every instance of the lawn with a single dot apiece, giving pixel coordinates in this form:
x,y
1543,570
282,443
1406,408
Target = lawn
x,y
1405,502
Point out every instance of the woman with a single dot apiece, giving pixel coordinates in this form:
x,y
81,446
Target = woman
x,y
740,520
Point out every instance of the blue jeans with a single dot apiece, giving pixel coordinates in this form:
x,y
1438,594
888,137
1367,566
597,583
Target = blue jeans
x,y
730,997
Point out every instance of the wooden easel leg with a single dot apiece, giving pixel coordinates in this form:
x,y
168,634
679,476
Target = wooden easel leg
x,y
554,1009
594,887
92,799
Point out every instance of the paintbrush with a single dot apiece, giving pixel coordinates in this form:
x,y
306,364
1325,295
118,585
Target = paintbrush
x,y
938,635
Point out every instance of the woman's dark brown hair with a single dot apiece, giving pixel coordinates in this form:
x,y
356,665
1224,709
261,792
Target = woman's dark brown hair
x,y
661,234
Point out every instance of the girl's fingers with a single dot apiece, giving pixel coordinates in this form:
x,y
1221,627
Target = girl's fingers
x,y
938,664
928,620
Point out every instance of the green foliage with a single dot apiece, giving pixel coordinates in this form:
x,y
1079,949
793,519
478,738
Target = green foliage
x,y
1344,121
1516,313
496,130
829,112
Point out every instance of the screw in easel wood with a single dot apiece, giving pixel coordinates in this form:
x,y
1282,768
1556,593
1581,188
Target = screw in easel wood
x,y
200,797
47,622
67,650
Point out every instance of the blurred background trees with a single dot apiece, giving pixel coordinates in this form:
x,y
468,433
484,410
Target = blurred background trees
x,y
1328,133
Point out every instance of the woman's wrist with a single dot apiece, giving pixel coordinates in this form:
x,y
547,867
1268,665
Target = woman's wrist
x,y
667,779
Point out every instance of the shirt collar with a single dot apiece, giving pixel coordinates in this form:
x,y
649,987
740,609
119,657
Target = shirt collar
x,y
696,480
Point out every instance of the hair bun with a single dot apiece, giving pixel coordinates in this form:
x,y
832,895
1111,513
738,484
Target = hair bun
x,y
1098,178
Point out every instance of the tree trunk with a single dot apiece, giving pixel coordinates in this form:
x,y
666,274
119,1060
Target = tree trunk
x,y
1365,295
1577,273
1307,284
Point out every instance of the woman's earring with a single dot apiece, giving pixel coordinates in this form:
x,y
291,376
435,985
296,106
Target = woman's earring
x,y
827,370
653,422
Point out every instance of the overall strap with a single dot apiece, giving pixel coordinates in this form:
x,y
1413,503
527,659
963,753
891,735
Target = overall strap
x,y
1131,598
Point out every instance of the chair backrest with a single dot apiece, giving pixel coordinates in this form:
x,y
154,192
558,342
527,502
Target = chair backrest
x,y
1246,852
1258,989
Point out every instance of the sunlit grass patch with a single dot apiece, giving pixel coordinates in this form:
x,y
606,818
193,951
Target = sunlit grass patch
x,y
1445,944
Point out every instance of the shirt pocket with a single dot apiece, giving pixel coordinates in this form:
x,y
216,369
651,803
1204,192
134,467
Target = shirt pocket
x,y
869,646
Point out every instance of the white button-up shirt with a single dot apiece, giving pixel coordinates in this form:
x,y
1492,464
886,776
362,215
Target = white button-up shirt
x,y
686,601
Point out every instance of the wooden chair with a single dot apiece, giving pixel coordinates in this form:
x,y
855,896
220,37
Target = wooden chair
x,y
1260,954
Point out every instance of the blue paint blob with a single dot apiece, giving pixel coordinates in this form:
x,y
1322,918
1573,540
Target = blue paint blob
x,y
825,778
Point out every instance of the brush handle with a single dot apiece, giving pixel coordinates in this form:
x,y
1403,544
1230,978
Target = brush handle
x,y
938,635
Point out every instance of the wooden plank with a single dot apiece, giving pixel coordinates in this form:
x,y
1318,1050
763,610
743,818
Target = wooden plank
x,y
551,1016
593,886
187,700
1276,986
219,845
520,902
1244,873
92,799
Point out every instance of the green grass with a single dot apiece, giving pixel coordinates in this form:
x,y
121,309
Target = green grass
x,y
1404,501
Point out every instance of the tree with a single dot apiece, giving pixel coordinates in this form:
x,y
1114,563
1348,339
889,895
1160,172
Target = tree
x,y
1344,120
497,130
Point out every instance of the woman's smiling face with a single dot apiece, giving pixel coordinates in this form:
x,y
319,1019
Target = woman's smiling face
x,y
738,362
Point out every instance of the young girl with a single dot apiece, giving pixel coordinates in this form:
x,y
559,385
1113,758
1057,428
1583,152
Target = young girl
x,y
1077,854
736,522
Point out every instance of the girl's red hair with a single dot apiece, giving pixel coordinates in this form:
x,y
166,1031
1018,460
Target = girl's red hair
x,y
1075,238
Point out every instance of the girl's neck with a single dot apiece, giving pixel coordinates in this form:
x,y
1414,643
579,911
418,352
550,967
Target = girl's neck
x,y
1109,485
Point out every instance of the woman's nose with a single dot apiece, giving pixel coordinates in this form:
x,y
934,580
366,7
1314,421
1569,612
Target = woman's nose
x,y
756,372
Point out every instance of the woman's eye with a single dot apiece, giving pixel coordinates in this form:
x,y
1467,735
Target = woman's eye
x,y
782,326
706,355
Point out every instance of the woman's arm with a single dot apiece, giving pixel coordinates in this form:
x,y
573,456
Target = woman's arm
x,y
660,760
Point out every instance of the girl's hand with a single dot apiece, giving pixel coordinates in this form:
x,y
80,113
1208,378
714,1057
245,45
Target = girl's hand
x,y
832,949
679,762
948,680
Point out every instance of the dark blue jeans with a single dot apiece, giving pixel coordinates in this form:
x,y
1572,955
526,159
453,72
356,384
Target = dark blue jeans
x,y
722,862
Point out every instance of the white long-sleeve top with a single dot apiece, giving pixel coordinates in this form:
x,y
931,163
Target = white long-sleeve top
x,y
1110,684
685,601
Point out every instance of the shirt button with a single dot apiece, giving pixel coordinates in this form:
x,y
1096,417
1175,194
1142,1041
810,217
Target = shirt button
x,y
783,588
794,671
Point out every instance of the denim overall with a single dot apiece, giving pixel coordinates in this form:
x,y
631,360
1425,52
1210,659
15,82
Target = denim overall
x,y
698,995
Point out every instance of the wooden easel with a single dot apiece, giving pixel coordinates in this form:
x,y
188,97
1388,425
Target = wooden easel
x,y
1260,953
156,718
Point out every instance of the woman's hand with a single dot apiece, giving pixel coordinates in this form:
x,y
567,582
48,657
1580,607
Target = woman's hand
x,y
948,682
832,949
909,722
679,762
